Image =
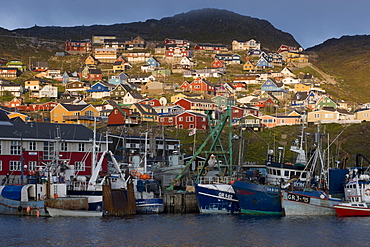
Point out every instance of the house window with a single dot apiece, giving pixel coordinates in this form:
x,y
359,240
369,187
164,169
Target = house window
x,y
203,119
89,113
32,146
329,115
180,126
63,146
366,114
81,147
191,126
170,120
317,115
80,166
189,119
15,165
48,150
32,165
15,147
181,119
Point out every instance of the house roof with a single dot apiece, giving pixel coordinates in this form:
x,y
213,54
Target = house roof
x,y
71,107
300,96
145,109
13,128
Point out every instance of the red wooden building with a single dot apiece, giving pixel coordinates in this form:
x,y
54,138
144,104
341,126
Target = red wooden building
x,y
191,120
199,85
122,116
77,47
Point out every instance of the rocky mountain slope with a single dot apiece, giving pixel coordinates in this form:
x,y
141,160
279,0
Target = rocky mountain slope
x,y
199,26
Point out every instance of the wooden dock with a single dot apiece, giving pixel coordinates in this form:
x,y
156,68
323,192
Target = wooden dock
x,y
180,202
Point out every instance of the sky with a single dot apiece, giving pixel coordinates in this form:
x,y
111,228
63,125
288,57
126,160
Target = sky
x,y
311,22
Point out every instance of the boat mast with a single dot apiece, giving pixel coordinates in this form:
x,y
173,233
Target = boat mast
x,y
93,156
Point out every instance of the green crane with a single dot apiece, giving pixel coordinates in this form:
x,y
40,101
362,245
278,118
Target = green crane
x,y
216,148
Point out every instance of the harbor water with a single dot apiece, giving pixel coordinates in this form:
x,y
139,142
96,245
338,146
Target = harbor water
x,y
185,230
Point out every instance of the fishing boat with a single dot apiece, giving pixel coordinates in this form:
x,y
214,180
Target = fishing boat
x,y
356,207
22,200
259,193
148,193
309,195
69,206
357,193
256,198
213,182
55,212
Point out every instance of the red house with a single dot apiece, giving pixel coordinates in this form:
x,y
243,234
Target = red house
x,y
151,102
214,48
176,52
199,85
262,102
239,86
191,120
238,112
77,47
122,116
196,105
95,75
15,102
177,42
217,63
167,120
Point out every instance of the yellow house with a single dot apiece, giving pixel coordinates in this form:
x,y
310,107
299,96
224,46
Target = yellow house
x,y
248,66
362,114
178,96
91,61
302,87
323,116
73,114
20,115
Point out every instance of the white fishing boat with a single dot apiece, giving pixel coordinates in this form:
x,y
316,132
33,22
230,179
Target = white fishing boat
x,y
309,194
55,212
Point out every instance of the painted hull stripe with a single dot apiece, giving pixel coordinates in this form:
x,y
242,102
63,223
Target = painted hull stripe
x,y
223,198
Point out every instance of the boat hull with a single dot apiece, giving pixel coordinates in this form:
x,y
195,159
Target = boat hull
x,y
258,199
216,198
296,203
348,211
55,212
15,200
149,206
14,207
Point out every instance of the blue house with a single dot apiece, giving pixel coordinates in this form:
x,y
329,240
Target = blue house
x,y
123,76
69,77
115,80
153,62
271,85
254,52
101,89
263,63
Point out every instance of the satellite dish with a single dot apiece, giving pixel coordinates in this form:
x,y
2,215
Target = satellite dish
x,y
163,101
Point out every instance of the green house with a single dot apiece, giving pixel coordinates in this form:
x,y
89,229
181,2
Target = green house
x,y
16,64
326,101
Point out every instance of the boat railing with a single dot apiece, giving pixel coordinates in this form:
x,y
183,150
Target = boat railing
x,y
216,180
77,186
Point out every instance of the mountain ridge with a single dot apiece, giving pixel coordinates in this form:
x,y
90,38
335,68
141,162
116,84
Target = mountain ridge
x,y
199,26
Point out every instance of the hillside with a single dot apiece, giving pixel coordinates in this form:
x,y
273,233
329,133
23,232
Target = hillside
x,y
199,26
346,59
